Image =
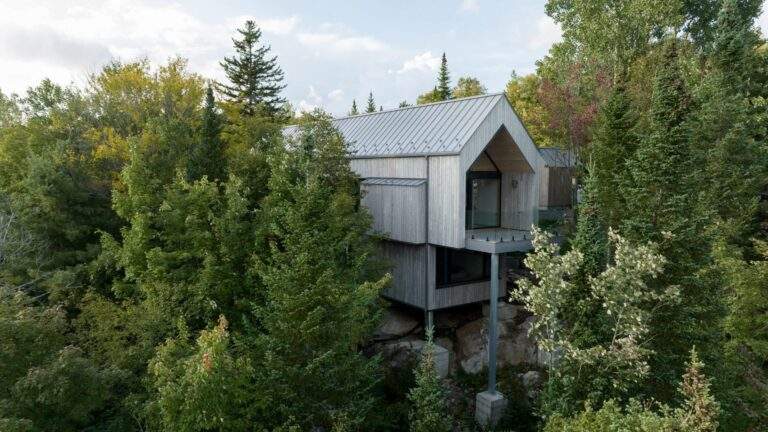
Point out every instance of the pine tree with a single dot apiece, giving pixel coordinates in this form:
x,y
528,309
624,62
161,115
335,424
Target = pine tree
x,y
614,142
255,79
429,412
354,110
207,156
322,298
403,104
444,80
664,207
371,106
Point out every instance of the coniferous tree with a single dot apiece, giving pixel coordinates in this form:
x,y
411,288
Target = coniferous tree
x,y
662,208
371,106
403,104
207,156
613,145
731,129
700,411
429,412
444,80
354,110
255,79
322,296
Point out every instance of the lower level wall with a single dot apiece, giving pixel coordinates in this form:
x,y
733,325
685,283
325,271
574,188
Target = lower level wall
x,y
408,267
413,279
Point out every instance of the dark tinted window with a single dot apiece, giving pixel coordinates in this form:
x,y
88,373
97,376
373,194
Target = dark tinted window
x,y
456,266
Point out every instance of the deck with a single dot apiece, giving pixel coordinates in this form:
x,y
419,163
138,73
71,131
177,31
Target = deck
x,y
498,240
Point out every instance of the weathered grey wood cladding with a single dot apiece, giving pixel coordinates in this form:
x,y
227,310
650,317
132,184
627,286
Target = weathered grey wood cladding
x,y
398,211
395,167
408,263
446,202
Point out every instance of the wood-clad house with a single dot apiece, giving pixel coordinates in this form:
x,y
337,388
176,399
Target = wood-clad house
x,y
451,185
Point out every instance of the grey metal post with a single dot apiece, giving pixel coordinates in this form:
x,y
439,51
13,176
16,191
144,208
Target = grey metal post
x,y
492,323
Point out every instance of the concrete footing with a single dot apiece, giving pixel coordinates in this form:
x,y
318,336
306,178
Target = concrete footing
x,y
442,361
489,408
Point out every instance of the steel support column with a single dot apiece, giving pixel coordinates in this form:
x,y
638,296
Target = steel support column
x,y
493,323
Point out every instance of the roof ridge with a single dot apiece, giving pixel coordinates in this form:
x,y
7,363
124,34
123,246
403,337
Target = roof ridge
x,y
421,106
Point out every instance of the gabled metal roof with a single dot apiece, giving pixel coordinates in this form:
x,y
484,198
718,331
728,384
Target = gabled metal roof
x,y
430,129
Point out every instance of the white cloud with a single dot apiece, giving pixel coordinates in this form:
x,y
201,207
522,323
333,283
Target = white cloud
x,y
546,33
47,38
421,62
470,5
336,94
340,43
278,26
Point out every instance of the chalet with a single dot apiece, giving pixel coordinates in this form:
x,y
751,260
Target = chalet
x,y
453,186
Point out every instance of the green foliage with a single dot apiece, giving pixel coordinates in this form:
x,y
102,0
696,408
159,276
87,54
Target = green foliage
x,y
610,367
698,412
207,156
613,144
466,87
371,105
321,296
354,111
205,387
429,412
429,97
523,92
255,79
662,174
49,384
443,80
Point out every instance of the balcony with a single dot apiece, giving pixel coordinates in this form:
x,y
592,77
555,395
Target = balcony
x,y
498,240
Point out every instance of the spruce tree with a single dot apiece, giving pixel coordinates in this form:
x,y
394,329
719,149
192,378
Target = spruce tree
x,y
730,129
322,297
207,156
429,412
444,80
614,142
664,207
371,106
354,110
255,79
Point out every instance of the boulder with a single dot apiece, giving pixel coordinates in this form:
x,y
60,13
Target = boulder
x,y
402,353
396,324
408,352
532,381
472,339
506,312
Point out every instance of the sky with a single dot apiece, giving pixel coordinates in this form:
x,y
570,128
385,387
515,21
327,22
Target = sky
x,y
332,51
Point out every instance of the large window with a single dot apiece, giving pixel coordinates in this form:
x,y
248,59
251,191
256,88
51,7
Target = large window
x,y
483,199
459,266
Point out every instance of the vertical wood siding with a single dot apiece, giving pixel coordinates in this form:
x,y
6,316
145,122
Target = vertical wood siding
x,y
398,211
396,167
408,266
446,201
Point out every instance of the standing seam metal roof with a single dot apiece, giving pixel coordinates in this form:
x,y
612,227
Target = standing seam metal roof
x,y
436,128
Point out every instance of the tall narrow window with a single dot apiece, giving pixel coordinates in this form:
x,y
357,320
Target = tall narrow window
x,y
483,199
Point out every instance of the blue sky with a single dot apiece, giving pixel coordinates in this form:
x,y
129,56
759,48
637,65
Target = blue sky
x,y
331,51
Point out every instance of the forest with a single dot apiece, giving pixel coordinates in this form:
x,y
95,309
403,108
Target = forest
x,y
169,261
